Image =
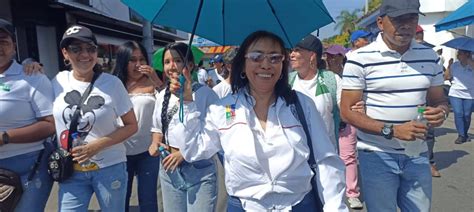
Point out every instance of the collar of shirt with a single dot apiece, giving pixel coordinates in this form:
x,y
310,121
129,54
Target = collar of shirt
x,y
14,69
382,46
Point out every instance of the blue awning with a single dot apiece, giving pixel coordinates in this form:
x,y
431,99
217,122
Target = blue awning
x,y
463,16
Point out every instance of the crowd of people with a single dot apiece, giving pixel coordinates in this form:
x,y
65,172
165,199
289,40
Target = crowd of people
x,y
286,130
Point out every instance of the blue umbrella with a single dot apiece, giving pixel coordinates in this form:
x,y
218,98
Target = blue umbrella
x,y
463,43
462,16
228,22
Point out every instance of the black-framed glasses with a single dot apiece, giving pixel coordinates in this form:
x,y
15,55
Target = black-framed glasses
x,y
78,49
258,57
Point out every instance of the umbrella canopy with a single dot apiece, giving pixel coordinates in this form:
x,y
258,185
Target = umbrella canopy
x,y
228,22
158,55
463,16
463,43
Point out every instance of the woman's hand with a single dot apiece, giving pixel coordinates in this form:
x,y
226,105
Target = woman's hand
x,y
151,74
172,161
84,153
359,107
33,68
175,85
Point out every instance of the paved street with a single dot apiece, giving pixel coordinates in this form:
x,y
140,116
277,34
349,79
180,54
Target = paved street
x,y
453,192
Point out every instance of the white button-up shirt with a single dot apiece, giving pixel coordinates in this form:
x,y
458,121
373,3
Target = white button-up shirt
x,y
265,169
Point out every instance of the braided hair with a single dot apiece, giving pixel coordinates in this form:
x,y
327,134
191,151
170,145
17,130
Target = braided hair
x,y
181,49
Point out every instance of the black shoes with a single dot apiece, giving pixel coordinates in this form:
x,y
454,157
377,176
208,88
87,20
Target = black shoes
x,y
460,140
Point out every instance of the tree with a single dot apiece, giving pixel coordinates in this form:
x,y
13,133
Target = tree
x,y
374,4
346,21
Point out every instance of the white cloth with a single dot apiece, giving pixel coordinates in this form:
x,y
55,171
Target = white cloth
x,y
323,102
222,89
215,76
23,99
463,81
143,104
202,76
263,176
393,86
203,97
107,101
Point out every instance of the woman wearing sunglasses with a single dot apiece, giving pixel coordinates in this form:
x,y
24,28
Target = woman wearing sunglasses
x,y
185,186
264,144
98,153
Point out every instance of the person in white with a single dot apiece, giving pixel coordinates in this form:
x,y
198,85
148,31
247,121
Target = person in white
x,y
202,74
264,144
461,93
217,74
223,89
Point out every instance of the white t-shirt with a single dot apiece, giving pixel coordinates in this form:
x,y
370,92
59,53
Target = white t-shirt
x,y
323,102
23,99
202,76
107,101
143,104
222,89
215,76
463,81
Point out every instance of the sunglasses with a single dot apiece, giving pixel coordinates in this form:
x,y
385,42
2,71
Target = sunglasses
x,y
78,49
258,57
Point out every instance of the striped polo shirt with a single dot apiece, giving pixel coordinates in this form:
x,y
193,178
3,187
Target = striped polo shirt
x,y
393,86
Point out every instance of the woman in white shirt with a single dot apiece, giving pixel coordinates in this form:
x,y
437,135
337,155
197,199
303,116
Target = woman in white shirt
x,y
185,186
264,144
461,93
141,82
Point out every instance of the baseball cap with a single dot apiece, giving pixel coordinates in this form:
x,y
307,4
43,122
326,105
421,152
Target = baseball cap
x,y
419,29
77,32
7,27
336,49
359,34
218,58
395,8
311,43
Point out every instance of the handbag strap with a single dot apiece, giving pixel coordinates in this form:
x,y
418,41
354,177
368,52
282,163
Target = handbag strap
x,y
75,117
302,118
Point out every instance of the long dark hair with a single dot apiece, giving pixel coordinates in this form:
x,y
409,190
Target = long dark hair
x,y
181,49
282,88
124,53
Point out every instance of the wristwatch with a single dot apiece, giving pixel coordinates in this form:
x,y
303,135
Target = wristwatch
x,y
5,137
387,131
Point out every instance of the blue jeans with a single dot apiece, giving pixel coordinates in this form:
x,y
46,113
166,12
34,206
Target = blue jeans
x,y
390,179
194,188
145,167
462,109
36,192
308,203
109,184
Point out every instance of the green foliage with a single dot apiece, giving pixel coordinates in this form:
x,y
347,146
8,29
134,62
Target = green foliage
x,y
346,21
374,4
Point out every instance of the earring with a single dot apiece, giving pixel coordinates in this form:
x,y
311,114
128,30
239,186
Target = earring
x,y
242,75
67,62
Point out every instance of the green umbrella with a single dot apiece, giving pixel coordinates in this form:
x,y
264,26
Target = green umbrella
x,y
158,55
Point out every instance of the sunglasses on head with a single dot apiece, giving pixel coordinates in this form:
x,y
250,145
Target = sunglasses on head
x,y
258,57
78,49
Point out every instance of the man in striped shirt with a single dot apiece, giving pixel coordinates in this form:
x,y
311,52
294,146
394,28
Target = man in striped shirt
x,y
394,75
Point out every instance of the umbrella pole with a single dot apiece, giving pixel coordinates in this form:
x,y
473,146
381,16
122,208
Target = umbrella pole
x,y
181,77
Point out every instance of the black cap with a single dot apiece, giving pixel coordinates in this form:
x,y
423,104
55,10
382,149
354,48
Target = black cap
x,y
77,32
7,27
395,8
311,43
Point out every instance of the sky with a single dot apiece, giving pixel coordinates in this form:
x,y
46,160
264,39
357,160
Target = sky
x,y
335,7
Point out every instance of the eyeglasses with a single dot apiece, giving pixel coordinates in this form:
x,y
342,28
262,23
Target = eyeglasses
x,y
258,57
78,49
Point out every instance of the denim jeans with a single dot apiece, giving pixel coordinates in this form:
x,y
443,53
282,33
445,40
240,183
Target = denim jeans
x,y
146,168
390,179
35,192
462,109
195,189
307,204
109,185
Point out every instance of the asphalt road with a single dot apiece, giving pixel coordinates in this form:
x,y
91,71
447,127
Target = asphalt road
x,y
452,192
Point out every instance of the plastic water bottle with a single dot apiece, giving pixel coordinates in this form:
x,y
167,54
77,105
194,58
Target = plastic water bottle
x,y
78,141
175,176
414,148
